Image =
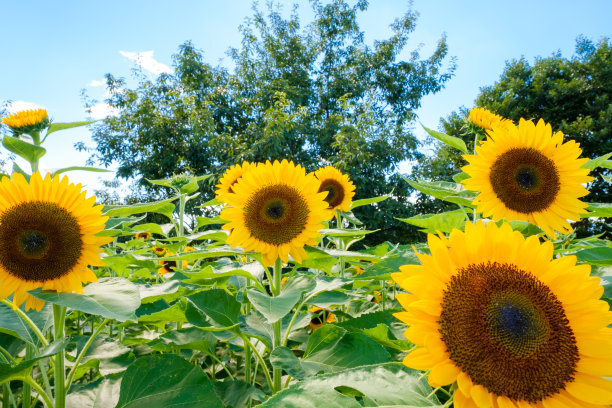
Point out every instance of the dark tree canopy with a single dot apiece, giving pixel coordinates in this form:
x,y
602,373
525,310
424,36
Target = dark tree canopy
x,y
317,95
573,95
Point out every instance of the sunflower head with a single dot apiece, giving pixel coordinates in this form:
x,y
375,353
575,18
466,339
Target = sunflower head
x,y
527,173
340,190
47,237
32,120
159,250
513,327
320,317
275,209
487,120
168,266
230,177
145,236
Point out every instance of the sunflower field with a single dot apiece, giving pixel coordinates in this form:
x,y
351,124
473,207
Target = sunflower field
x,y
272,301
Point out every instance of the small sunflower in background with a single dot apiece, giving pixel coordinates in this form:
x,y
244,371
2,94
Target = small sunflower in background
x,y
32,120
47,237
320,317
168,266
230,177
527,173
486,119
157,250
275,210
339,188
145,236
494,313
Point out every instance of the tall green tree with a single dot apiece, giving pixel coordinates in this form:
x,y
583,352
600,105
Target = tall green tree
x,y
573,94
317,95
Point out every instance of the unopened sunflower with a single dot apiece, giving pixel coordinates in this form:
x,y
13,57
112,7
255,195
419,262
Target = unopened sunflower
x,y
527,173
494,313
486,119
32,120
47,237
230,177
339,188
275,210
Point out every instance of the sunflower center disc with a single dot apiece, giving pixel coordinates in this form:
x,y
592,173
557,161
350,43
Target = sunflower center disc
x,y
335,192
525,180
169,266
508,332
39,241
276,214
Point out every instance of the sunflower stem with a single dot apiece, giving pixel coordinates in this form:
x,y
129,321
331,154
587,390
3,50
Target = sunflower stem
x,y
181,229
59,318
6,397
28,380
276,290
27,390
28,321
260,359
83,352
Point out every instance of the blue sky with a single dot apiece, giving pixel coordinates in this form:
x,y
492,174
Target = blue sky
x,y
54,49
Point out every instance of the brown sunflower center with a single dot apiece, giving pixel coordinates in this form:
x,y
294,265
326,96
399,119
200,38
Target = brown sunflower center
x,y
508,332
276,214
525,180
335,192
169,265
39,241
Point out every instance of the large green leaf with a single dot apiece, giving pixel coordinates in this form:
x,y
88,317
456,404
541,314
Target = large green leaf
x,y
236,394
192,338
80,168
443,222
102,393
599,210
113,298
275,308
11,323
596,256
214,308
368,201
105,355
164,207
452,141
597,162
54,127
253,271
388,385
153,292
26,150
166,381
8,371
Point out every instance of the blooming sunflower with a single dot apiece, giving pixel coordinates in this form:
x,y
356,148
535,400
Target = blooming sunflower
x,y
230,177
145,236
275,210
526,173
486,119
340,190
27,121
513,327
159,250
320,317
47,237
169,266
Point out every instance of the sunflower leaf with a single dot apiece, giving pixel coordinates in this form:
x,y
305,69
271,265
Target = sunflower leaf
x,y
8,371
597,162
24,149
54,127
452,141
213,307
443,222
368,201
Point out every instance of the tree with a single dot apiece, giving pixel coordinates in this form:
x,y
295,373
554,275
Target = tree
x,y
573,95
317,95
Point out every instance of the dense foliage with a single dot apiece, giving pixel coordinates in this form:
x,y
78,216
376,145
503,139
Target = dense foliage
x,y
317,95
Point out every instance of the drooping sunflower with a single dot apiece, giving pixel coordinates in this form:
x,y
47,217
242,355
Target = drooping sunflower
x,y
47,237
27,121
513,327
320,317
486,119
230,177
527,173
275,210
340,189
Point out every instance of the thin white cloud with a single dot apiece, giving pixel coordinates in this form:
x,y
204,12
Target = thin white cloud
x,y
145,60
101,111
95,83
16,106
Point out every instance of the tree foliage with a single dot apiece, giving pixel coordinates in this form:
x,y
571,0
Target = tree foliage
x,y
318,95
573,94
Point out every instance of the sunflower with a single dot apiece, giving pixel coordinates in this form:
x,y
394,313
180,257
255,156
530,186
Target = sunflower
x,y
169,266
320,317
340,189
47,237
486,119
526,173
145,236
230,177
275,210
513,327
159,250
32,120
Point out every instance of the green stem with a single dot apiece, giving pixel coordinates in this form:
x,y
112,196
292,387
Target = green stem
x,y
276,290
27,390
84,351
59,317
39,390
6,396
216,359
43,374
247,342
181,230
28,321
6,356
